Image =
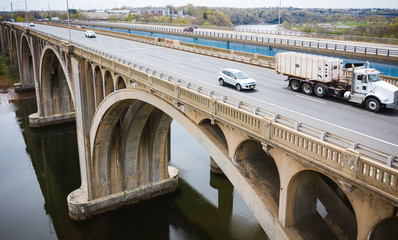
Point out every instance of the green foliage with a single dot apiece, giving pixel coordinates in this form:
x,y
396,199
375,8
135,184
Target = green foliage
x,y
206,24
20,19
72,11
8,74
129,18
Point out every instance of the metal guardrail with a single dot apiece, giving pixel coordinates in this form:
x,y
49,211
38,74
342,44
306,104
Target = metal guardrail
x,y
363,164
276,39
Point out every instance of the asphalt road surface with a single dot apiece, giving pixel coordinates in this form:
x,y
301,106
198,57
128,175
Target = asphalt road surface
x,y
337,116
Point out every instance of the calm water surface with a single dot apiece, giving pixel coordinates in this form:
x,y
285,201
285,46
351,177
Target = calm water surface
x,y
39,168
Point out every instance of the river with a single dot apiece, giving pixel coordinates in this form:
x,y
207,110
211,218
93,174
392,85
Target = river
x,y
40,167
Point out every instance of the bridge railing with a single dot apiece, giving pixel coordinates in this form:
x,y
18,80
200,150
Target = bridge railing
x,y
361,164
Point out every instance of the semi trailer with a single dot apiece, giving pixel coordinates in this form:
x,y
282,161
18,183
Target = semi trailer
x,y
327,76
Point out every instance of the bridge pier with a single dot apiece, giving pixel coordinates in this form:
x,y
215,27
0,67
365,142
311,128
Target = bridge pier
x,y
19,87
80,208
35,120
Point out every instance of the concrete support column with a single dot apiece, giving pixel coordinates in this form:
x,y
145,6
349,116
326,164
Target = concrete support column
x,y
369,210
288,168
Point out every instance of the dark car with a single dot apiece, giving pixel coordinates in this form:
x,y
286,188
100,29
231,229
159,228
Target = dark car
x,y
188,29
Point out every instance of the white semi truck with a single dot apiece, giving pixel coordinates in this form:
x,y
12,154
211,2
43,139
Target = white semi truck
x,y
325,76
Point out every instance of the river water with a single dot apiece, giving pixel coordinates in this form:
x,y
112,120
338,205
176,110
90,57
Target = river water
x,y
40,167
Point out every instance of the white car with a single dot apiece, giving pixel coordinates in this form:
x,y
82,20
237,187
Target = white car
x,y
31,24
240,80
90,34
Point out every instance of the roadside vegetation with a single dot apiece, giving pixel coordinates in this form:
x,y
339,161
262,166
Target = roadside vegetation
x,y
8,74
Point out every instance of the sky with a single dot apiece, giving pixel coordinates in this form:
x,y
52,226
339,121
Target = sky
x,y
107,4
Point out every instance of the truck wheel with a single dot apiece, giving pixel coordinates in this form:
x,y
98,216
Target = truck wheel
x,y
295,85
320,90
372,104
308,89
221,82
238,87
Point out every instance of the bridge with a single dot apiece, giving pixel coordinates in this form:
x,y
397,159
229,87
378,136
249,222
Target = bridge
x,y
291,173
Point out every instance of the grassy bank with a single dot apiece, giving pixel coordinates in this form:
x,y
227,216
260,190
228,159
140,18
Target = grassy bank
x,y
8,74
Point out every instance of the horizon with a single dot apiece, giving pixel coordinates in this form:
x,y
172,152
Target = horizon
x,y
56,5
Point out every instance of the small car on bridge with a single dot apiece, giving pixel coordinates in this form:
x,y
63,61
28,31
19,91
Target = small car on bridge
x,y
188,29
240,80
90,34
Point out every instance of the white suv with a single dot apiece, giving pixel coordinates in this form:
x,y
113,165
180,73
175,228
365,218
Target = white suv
x,y
240,80
89,34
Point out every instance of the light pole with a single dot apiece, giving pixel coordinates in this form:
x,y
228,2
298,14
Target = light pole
x,y
26,10
166,12
67,14
279,19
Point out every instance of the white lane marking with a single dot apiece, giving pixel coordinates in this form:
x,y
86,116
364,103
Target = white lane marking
x,y
308,98
283,108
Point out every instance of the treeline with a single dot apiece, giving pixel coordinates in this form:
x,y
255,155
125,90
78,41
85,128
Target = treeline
x,y
359,22
20,16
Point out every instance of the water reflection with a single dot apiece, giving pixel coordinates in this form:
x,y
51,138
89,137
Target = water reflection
x,y
38,180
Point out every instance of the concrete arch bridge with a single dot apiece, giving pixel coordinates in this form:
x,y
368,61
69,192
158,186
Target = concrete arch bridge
x,y
288,178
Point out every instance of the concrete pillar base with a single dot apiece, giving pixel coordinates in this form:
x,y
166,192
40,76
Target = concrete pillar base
x,y
36,121
214,168
80,208
20,88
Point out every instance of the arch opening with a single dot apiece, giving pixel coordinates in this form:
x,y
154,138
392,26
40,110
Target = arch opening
x,y
6,41
27,63
14,53
120,83
386,229
56,97
215,131
99,88
88,93
257,165
134,152
319,201
108,83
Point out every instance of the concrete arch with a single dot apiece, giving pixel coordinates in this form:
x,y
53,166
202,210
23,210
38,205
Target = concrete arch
x,y
315,199
55,84
13,49
6,41
28,63
386,229
108,83
261,169
3,39
98,84
124,103
120,83
130,148
89,90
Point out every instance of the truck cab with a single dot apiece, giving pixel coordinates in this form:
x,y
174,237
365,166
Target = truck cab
x,y
369,89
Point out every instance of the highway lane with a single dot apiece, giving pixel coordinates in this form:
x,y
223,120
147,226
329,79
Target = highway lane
x,y
333,115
